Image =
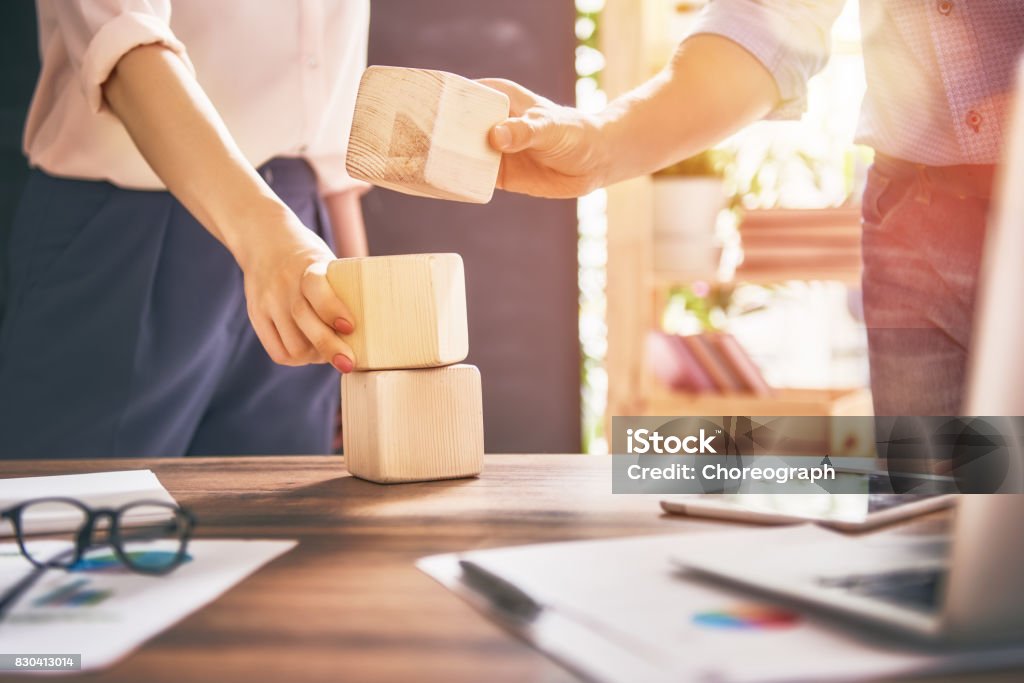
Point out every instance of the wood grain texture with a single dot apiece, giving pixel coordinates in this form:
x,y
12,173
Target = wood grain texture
x,y
424,133
413,425
347,604
782,402
410,310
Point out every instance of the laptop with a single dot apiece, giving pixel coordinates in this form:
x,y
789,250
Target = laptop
x,y
960,587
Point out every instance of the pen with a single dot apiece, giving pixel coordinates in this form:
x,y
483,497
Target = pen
x,y
11,595
503,594
573,640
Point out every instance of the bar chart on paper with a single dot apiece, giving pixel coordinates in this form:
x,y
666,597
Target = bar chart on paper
x,y
102,610
73,594
111,564
747,617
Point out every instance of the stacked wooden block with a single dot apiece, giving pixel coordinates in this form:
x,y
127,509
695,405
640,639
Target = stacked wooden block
x,y
424,133
411,411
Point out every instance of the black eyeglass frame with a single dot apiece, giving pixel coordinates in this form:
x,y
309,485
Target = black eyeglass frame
x,y
185,520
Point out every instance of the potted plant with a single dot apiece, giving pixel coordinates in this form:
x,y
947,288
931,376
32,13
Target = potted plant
x,y
688,197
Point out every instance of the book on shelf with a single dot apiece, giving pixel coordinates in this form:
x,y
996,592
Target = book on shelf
x,y
707,355
735,356
674,365
710,362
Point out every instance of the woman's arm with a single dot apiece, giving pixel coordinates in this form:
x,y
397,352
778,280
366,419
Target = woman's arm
x,y
710,89
291,305
346,215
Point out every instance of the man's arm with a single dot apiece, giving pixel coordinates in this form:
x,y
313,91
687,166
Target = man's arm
x,y
179,133
710,89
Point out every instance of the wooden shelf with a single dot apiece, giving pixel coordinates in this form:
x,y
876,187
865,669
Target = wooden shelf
x,y
775,275
666,279
780,245
811,402
834,219
760,276
765,276
788,244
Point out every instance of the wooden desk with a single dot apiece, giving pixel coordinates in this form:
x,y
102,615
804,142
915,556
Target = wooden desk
x,y
347,603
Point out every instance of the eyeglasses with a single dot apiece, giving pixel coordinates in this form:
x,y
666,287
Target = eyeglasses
x,y
148,537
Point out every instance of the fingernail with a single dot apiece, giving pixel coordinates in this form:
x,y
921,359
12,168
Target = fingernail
x,y
343,326
502,136
342,363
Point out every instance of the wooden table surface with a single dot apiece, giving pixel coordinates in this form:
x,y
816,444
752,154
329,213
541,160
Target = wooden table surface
x,y
347,604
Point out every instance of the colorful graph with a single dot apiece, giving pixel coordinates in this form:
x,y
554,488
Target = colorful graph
x,y
747,617
74,594
110,563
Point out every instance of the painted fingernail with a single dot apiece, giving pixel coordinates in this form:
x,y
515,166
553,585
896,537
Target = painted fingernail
x,y
342,363
343,326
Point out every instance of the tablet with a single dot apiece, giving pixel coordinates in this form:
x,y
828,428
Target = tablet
x,y
848,511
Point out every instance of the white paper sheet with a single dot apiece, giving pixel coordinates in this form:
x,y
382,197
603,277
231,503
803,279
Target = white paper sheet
x,y
692,630
97,490
105,613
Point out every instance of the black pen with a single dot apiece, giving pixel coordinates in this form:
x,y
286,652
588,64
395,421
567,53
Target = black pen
x,y
576,641
503,594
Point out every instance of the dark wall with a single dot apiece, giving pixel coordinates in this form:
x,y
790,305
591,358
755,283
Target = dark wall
x,y
19,67
520,253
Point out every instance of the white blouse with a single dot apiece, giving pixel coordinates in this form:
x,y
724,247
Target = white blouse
x,y
282,74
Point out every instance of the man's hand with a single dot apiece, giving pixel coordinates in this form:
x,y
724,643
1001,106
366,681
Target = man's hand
x,y
548,150
292,307
710,89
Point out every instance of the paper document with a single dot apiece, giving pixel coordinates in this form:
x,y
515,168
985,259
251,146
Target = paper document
x,y
105,611
97,490
630,593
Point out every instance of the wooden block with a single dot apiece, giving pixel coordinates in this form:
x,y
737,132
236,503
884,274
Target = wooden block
x,y
410,311
413,425
425,133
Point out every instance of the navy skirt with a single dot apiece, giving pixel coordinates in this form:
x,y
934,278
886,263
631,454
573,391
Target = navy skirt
x,y
126,333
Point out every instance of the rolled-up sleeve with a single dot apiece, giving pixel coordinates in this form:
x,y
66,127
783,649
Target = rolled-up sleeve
x,y
791,38
98,33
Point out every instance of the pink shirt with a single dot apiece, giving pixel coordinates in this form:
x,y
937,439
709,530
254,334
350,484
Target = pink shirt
x,y
282,73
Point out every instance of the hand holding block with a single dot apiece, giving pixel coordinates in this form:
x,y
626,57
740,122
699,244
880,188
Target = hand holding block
x,y
425,133
410,311
413,425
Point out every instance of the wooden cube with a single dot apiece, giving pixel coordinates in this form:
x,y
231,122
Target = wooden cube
x,y
424,133
410,311
413,425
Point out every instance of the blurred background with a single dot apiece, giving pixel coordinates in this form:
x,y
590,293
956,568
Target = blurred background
x,y
519,252
758,239
749,253
628,302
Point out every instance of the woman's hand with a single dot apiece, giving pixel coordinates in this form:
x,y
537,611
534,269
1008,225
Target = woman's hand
x,y
292,307
548,150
